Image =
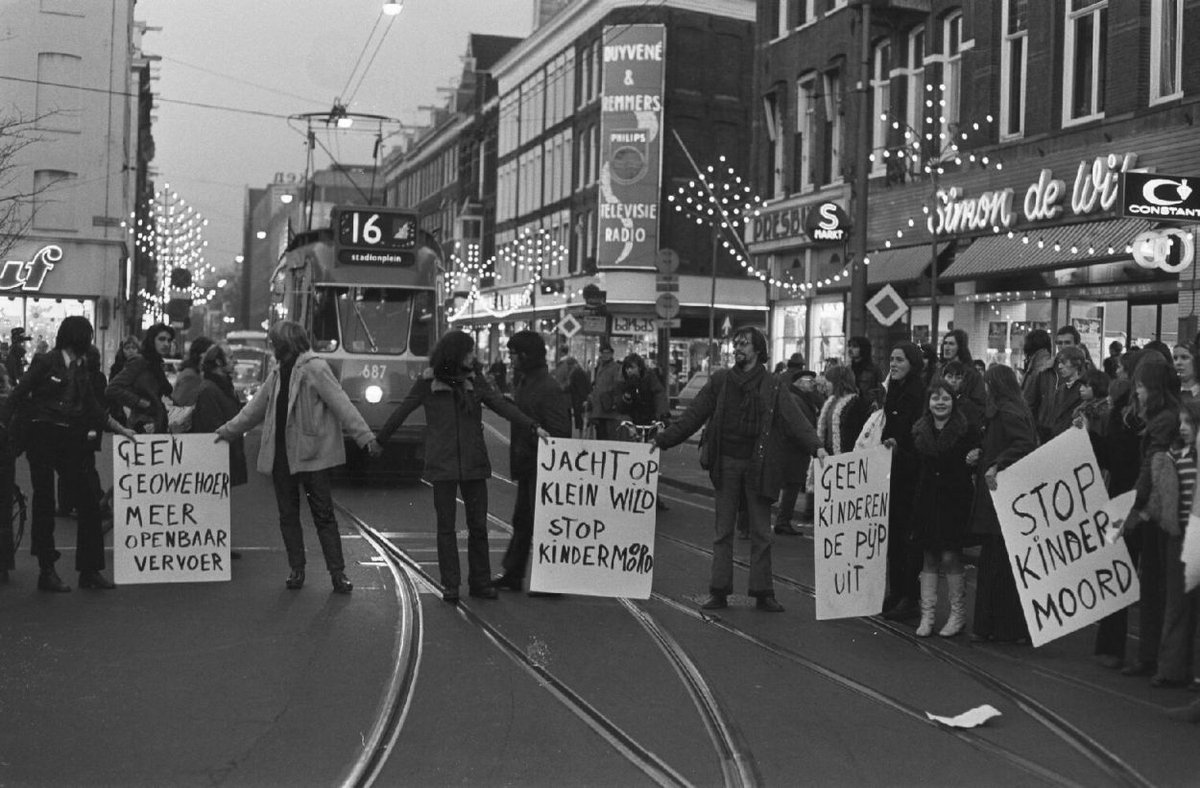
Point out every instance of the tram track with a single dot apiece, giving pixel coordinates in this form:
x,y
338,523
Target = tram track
x,y
650,764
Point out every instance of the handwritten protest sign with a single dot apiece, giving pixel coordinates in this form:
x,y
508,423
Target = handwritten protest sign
x,y
170,509
1191,553
850,532
1052,510
593,529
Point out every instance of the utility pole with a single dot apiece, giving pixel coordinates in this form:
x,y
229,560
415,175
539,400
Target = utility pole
x,y
862,172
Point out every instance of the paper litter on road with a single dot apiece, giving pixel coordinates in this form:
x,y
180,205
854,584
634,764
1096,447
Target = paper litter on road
x,y
968,719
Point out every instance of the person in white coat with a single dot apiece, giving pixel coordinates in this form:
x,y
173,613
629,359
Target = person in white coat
x,y
301,443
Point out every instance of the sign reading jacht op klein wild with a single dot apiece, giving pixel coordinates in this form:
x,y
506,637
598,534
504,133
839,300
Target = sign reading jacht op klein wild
x,y
593,528
631,131
170,509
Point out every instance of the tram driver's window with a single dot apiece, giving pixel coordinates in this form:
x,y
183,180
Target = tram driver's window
x,y
325,320
422,324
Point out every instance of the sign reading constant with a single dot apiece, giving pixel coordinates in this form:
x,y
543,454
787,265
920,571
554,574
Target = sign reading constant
x,y
1058,530
170,509
850,532
593,529
631,129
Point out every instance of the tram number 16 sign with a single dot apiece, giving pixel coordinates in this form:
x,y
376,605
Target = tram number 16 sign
x,y
374,236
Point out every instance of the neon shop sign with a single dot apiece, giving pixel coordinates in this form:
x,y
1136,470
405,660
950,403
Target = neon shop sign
x,y
1096,187
30,275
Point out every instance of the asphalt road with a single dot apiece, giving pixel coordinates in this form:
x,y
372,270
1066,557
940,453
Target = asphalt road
x,y
246,683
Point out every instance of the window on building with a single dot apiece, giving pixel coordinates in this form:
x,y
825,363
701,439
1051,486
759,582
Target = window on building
x,y
1084,60
806,131
1014,57
915,110
881,104
781,18
774,127
58,95
53,200
833,5
950,110
831,159
1166,50
806,11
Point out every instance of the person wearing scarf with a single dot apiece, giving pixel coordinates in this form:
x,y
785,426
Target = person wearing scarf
x,y
453,392
142,383
752,432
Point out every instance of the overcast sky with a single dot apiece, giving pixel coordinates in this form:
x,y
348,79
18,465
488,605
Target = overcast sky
x,y
262,60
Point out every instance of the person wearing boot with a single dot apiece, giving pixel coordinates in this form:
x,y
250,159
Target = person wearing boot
x,y
942,503
903,405
540,398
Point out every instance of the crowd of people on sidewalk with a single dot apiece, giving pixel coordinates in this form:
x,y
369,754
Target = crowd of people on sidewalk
x,y
951,427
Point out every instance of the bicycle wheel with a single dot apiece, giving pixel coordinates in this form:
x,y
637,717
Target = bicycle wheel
x,y
19,513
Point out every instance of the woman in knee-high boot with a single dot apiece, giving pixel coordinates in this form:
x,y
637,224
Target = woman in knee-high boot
x,y
942,503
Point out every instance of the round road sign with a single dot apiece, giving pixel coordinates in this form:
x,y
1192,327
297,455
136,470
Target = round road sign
x,y
667,306
667,261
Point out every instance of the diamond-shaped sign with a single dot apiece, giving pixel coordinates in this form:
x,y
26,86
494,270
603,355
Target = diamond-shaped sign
x,y
568,326
887,306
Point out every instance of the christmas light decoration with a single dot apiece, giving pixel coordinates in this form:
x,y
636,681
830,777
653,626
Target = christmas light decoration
x,y
172,236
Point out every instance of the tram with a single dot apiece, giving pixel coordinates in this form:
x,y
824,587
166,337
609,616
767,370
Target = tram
x,y
365,289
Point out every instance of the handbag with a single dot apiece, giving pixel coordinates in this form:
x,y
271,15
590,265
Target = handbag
x,y
179,417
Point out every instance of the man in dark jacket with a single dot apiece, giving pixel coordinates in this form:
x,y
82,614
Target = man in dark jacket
x,y
752,430
866,374
578,387
801,385
540,398
14,362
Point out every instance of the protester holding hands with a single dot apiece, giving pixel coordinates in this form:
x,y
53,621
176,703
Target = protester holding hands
x,y
304,411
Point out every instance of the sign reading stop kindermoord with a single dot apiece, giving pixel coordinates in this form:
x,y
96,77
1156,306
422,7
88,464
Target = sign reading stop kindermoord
x,y
170,509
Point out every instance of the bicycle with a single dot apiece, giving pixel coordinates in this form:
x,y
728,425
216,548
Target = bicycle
x,y
638,433
20,512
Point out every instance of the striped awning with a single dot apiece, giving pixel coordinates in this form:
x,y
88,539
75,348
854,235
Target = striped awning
x,y
1065,246
897,266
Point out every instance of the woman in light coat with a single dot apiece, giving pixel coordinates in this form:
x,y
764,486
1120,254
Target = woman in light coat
x,y
301,443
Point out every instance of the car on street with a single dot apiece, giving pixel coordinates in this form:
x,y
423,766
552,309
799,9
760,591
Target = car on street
x,y
249,368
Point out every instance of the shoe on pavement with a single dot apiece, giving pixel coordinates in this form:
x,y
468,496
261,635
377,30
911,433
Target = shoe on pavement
x,y
1110,661
904,609
714,602
506,581
450,595
768,604
341,583
1160,682
1139,668
484,592
234,555
1190,713
94,578
295,580
544,594
787,529
49,580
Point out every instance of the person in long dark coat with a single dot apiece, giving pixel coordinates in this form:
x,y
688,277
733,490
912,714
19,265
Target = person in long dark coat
x,y
540,398
1008,435
867,377
903,405
942,439
216,403
142,384
453,394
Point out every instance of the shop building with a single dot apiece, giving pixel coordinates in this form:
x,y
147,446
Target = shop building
x,y
77,90
605,110
999,132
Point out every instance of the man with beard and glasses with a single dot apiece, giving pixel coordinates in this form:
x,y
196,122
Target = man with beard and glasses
x,y
752,430
540,398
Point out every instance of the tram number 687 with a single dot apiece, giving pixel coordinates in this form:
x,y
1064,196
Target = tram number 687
x,y
374,371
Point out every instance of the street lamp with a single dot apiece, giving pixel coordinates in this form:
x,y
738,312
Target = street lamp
x,y
393,7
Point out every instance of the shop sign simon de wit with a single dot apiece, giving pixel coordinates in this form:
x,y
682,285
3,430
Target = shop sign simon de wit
x,y
1095,189
30,274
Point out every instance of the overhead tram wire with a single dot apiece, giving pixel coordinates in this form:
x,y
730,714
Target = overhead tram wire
x,y
238,80
363,51
367,68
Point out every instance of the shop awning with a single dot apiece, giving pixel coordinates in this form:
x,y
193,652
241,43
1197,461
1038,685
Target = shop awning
x,y
1000,255
896,266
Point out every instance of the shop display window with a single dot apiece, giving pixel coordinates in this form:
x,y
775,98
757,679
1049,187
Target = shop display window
x,y
42,316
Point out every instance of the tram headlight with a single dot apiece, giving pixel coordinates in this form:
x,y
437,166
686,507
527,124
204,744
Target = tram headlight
x,y
373,394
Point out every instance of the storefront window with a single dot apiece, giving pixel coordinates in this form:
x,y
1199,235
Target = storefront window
x,y
42,316
788,333
1088,319
828,342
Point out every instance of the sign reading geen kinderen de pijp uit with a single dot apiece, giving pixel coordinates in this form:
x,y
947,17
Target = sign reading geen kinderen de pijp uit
x,y
170,509
850,531
1058,531
593,528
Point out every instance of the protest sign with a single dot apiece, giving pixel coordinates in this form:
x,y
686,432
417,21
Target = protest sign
x,y
850,531
1191,553
593,528
170,509
1069,570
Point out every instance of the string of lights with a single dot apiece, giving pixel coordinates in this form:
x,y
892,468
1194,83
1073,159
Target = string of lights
x,y
171,236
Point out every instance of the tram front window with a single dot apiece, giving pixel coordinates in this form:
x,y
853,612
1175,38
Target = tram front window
x,y
370,319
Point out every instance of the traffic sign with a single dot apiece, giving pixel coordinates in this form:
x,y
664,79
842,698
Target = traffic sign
x,y
568,326
667,283
666,306
887,306
667,261
672,323
1163,197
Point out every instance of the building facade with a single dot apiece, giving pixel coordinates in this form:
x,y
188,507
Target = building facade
x,y
998,135
77,90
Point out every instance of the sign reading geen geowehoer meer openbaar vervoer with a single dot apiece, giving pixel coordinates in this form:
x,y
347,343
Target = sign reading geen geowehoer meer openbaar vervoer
x,y
170,509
